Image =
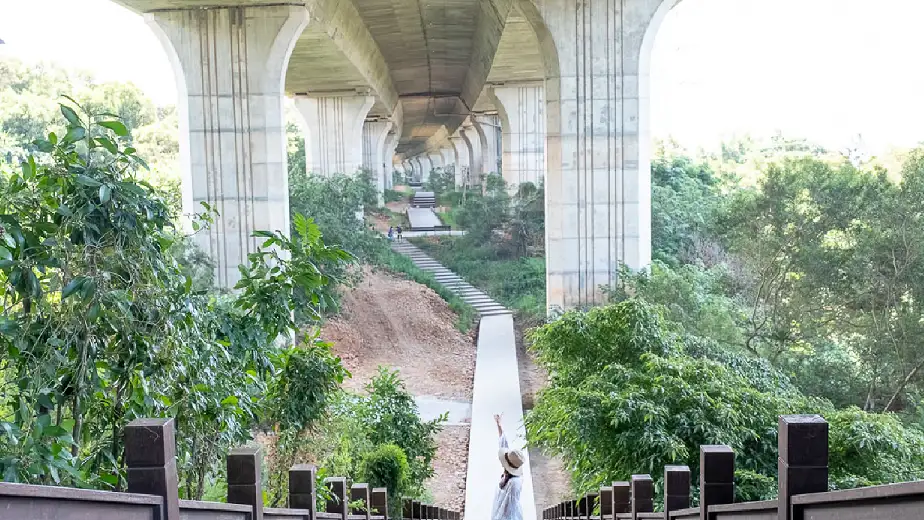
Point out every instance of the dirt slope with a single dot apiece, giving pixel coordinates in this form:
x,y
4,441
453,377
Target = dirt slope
x,y
397,323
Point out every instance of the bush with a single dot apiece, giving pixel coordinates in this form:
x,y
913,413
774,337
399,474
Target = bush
x,y
387,466
389,414
629,394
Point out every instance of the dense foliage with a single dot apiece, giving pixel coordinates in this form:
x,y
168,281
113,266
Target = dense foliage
x,y
630,395
102,325
110,314
793,290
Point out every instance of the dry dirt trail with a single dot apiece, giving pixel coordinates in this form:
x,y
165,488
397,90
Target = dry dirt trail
x,y
403,325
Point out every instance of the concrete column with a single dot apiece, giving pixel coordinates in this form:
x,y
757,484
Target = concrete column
x,y
426,164
334,132
417,169
598,185
463,154
522,114
436,159
232,133
476,142
375,135
448,155
489,128
388,158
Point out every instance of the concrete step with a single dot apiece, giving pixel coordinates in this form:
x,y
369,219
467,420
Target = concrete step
x,y
495,313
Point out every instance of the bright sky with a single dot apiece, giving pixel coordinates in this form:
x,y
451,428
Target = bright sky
x,y
823,69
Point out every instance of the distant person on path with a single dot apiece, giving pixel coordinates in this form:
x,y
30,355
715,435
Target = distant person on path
x,y
400,236
391,234
507,497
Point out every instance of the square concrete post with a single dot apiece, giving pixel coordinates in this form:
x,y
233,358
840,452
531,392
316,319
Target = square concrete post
x,y
606,501
150,460
622,497
232,130
803,459
716,477
361,492
338,503
245,481
676,489
642,495
379,502
302,494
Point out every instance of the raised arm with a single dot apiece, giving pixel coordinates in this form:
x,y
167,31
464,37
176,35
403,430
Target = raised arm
x,y
497,420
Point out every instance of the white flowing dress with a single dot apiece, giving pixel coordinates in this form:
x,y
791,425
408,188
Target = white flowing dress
x,y
507,500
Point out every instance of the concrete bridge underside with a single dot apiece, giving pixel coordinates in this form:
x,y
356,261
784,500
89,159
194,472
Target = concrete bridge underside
x,y
550,91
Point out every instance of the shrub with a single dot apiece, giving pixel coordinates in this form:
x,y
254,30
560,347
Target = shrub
x,y
387,466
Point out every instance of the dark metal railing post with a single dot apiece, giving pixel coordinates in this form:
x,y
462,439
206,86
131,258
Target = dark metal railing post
x,y
338,502
676,489
716,477
302,493
803,459
150,460
245,482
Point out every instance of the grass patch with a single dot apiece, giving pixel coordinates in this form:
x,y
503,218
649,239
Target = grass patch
x,y
518,284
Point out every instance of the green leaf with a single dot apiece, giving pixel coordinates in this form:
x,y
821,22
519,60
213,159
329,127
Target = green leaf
x,y
75,134
5,253
115,126
105,193
230,400
72,287
107,143
87,181
70,115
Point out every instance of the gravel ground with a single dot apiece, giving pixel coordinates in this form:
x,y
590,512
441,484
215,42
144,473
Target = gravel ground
x,y
448,482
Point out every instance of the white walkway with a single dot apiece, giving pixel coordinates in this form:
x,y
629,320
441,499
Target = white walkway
x,y
423,218
496,391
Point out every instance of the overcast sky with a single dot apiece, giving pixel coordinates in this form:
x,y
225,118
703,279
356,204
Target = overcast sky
x,y
824,69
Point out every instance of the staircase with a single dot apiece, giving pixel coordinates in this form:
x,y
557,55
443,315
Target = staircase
x,y
481,302
424,199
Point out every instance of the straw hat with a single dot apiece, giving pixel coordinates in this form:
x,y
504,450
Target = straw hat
x,y
511,460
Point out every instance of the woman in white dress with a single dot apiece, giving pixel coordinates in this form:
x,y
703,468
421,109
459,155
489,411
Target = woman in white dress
x,y
507,497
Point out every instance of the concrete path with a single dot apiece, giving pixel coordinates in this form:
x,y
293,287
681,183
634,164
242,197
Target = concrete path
x,y
429,408
415,234
423,218
496,390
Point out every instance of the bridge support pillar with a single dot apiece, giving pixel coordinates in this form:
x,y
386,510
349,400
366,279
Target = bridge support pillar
x,y
375,135
230,65
334,132
388,158
522,113
426,164
489,127
463,157
475,140
598,186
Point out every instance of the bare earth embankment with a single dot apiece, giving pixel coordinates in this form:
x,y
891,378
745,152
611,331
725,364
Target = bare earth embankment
x,y
397,323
